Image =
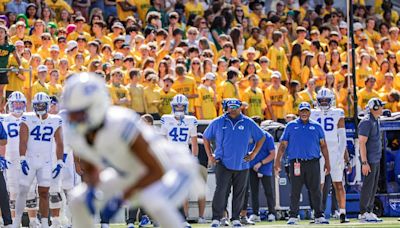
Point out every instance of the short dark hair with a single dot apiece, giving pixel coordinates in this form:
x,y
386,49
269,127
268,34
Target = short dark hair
x,y
180,69
148,118
134,73
276,36
232,73
395,95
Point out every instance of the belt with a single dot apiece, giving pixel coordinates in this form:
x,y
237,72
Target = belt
x,y
305,160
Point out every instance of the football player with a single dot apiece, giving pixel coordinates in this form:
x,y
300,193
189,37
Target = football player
x,y
38,130
138,164
65,181
181,128
11,122
332,121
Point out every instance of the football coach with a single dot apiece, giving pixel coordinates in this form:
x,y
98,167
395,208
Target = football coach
x,y
232,134
304,140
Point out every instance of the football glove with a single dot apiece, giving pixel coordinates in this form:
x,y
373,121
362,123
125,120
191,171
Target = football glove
x,y
3,163
24,166
57,170
90,199
111,208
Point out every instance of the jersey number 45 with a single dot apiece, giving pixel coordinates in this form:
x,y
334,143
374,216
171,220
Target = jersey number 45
x,y
179,137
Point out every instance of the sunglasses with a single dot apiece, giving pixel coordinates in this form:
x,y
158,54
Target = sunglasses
x,y
202,22
192,33
379,53
196,63
239,11
263,61
45,38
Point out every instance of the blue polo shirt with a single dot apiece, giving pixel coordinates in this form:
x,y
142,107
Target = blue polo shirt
x,y
264,152
232,139
303,139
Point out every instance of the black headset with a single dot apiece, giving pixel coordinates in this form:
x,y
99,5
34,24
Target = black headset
x,y
374,105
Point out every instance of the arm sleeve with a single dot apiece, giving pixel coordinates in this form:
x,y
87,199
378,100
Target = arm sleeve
x,y
270,142
286,134
342,139
163,129
257,133
209,133
193,129
364,128
321,134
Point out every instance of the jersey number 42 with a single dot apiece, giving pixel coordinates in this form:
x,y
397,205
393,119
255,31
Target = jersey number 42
x,y
42,134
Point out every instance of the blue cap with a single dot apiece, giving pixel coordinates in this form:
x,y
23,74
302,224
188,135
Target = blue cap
x,y
304,105
233,103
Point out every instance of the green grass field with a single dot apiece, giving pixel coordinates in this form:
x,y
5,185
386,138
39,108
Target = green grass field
x,y
387,223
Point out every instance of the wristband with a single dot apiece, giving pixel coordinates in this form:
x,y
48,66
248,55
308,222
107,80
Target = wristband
x,y
364,163
22,157
60,162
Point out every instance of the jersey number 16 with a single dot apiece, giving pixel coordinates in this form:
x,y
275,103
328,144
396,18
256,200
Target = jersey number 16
x,y
327,124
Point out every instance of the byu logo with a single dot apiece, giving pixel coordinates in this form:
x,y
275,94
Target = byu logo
x,y
241,127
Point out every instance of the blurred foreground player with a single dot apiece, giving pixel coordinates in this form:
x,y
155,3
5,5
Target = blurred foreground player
x,y
139,165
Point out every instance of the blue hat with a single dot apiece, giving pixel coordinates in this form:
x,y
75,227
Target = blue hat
x,y
304,105
232,103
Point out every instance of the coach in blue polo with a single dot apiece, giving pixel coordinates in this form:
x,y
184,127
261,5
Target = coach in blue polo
x,y
304,140
232,134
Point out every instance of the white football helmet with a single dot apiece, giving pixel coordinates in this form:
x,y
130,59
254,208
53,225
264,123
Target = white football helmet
x,y
325,99
180,105
86,100
41,103
17,103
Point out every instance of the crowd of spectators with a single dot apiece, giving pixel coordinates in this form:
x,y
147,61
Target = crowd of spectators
x,y
272,55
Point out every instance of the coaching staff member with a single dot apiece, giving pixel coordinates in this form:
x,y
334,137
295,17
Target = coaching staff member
x,y
232,133
370,153
4,199
304,140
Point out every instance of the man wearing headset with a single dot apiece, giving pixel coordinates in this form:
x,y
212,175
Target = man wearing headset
x,y
371,153
232,133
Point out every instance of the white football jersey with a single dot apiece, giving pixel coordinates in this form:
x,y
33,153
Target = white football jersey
x,y
41,136
329,121
11,126
179,131
112,145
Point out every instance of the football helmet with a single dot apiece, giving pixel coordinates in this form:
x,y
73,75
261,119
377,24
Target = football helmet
x,y
17,102
41,103
325,99
180,105
86,100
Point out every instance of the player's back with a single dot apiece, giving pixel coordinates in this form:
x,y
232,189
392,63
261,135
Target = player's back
x,y
329,120
11,126
178,130
41,135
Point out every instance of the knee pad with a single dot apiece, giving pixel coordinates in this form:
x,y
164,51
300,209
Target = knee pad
x,y
32,204
12,204
55,200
